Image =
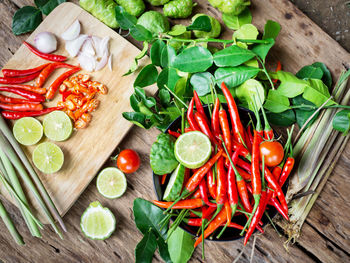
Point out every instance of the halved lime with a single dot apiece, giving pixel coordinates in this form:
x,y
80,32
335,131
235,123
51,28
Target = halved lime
x,y
111,183
192,149
57,126
48,157
174,187
28,131
97,222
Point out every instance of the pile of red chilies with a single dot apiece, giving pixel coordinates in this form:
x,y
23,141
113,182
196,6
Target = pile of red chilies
x,y
239,187
33,95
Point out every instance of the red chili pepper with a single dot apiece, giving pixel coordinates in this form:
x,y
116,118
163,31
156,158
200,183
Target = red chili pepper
x,y
198,222
238,130
30,88
215,124
7,80
244,174
248,141
256,177
231,184
245,165
250,135
243,194
183,204
273,201
24,93
208,211
56,84
13,115
211,183
221,183
21,107
277,172
244,152
204,127
50,57
65,95
288,167
45,73
204,193
163,178
229,212
175,134
188,130
196,178
6,99
199,105
22,72
196,194
225,128
256,217
278,68
190,117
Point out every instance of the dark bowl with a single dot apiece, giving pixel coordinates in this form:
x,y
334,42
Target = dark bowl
x,y
230,233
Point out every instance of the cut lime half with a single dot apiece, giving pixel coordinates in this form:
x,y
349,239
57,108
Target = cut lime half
x,y
97,222
111,183
28,131
48,157
193,149
57,126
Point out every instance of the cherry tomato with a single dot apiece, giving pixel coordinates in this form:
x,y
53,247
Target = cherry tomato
x,y
128,161
273,153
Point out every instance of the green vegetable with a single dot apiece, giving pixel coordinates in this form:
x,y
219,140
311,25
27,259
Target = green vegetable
x,y
251,93
317,92
103,10
232,56
174,187
162,155
46,6
147,76
215,28
168,77
284,119
235,76
133,7
10,226
247,31
234,7
341,121
140,33
184,34
157,2
193,59
26,20
178,8
290,86
167,56
154,21
202,83
304,110
236,21
276,102
180,245
310,72
201,23
145,248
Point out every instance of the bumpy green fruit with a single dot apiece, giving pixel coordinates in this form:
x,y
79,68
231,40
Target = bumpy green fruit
x,y
154,22
215,28
178,8
234,7
157,2
103,10
133,7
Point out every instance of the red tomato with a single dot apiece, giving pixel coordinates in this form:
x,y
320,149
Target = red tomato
x,y
128,161
273,153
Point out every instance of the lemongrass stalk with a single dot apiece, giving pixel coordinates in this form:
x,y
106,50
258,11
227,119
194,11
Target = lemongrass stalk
x,y
8,134
10,226
10,174
23,173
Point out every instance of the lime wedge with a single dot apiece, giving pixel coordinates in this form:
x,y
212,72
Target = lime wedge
x,y
111,183
28,131
192,149
174,187
48,157
97,222
57,126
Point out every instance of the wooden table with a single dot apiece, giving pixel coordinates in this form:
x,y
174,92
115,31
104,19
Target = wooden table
x,y
324,237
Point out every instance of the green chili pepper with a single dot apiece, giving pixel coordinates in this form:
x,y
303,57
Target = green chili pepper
x,y
103,10
157,2
178,8
234,7
154,22
133,7
215,28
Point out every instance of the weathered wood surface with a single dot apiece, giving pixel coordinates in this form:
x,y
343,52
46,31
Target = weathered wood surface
x,y
325,235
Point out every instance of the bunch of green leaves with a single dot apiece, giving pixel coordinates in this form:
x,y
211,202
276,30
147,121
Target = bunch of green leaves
x,y
28,18
149,220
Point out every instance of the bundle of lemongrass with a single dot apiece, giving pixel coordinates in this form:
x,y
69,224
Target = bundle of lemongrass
x,y
312,168
13,162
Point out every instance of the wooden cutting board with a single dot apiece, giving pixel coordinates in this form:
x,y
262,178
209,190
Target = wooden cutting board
x,y
87,149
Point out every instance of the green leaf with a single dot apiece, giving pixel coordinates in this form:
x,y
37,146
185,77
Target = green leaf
x,y
276,102
251,92
327,77
143,53
247,31
290,86
232,56
180,246
173,113
234,77
317,92
147,216
148,101
140,33
138,119
271,30
310,72
156,51
193,59
182,90
167,57
26,20
125,20
46,6
201,23
236,21
177,30
304,111
164,97
145,249
147,76
262,50
283,119
163,250
168,77
341,121
201,83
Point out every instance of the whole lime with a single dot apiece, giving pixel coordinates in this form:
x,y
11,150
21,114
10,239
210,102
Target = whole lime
x,y
154,22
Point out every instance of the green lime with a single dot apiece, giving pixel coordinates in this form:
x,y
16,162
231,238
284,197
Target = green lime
x,y
111,183
192,149
48,157
174,187
97,222
247,31
28,131
57,126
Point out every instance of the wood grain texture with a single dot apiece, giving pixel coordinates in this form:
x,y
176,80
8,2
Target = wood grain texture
x,y
325,236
